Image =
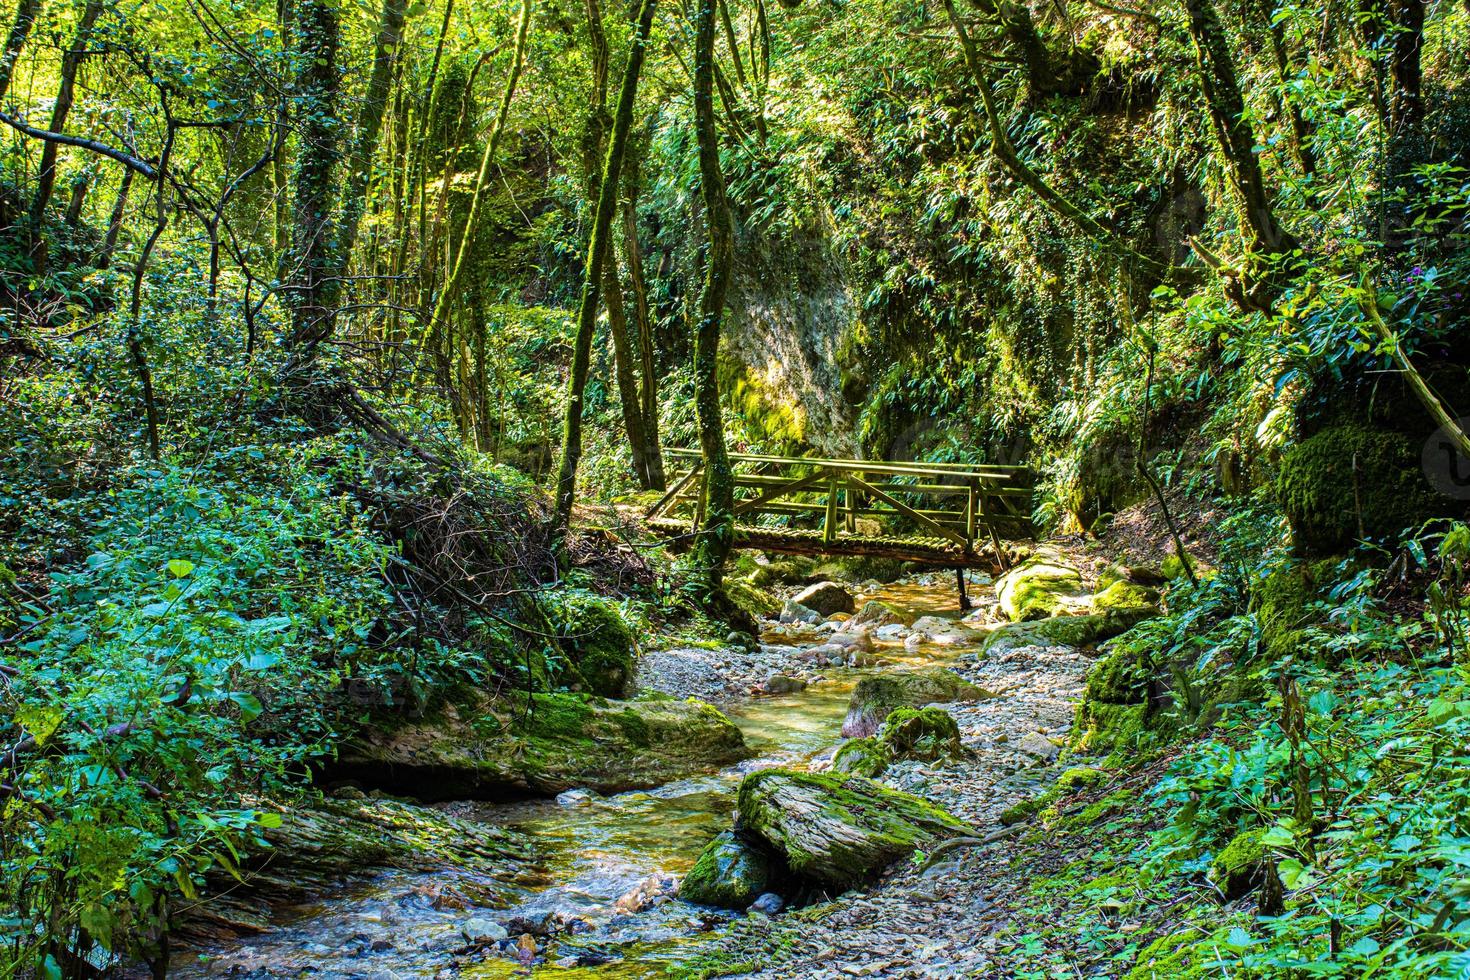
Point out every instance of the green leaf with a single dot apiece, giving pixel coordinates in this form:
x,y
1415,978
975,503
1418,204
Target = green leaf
x,y
250,706
269,821
180,568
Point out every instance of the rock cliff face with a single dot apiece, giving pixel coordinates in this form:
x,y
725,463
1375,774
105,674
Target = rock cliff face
x,y
792,313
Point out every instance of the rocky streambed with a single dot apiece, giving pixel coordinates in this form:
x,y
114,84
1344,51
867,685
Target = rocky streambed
x,y
590,881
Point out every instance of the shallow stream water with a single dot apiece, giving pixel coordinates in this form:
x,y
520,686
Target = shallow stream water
x,y
604,861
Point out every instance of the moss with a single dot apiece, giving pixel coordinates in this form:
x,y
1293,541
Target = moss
x,y
729,873
1074,779
1349,479
1038,588
1117,678
1190,954
1124,605
751,598
1105,728
1280,603
1071,631
839,829
876,697
596,638
1242,864
858,568
1172,567
862,757
920,733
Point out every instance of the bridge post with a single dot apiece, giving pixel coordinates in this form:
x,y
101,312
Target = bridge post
x,y
959,575
829,525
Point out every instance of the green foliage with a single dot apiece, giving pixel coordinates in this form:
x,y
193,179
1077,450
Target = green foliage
x,y
596,639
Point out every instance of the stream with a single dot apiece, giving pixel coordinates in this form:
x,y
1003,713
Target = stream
x,y
607,867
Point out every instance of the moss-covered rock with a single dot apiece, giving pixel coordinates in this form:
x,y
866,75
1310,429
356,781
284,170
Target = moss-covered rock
x,y
545,744
836,829
861,757
1242,865
875,697
1349,480
1280,603
1103,728
597,640
730,873
1043,585
1117,678
1191,954
874,614
1125,605
859,568
1068,631
755,601
920,733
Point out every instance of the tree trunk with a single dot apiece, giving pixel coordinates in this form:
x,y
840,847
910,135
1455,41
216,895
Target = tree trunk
x,y
718,532
71,63
597,248
315,285
370,126
633,261
444,305
617,321
115,221
20,29
1234,132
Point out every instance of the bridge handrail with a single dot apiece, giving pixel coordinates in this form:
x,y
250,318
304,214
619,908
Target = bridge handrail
x,y
983,471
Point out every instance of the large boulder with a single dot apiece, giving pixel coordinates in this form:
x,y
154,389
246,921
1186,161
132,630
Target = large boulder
x,y
875,697
838,830
730,873
795,612
545,744
1045,584
1124,605
825,597
920,733
876,614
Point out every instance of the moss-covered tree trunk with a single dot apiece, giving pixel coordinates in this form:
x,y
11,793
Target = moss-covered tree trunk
x,y
598,244
370,125
1233,130
314,284
717,534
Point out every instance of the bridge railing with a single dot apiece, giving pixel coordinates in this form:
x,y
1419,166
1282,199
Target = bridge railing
x,y
951,503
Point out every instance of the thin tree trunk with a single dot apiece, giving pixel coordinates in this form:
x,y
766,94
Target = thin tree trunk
x,y
115,221
617,322
77,202
444,305
717,534
71,63
633,261
26,13
370,126
597,248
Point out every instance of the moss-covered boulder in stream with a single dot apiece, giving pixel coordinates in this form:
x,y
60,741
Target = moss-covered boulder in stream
x,y
730,873
1043,585
543,744
875,697
838,830
920,733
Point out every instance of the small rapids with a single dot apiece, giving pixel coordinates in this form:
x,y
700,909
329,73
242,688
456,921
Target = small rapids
x,y
607,867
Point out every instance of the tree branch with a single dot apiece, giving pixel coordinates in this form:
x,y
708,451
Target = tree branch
x,y
126,159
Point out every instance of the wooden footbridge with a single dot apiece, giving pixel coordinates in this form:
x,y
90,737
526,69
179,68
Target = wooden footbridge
x,y
935,513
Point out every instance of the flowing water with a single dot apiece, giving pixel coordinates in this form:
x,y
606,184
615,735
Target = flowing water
x,y
604,862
